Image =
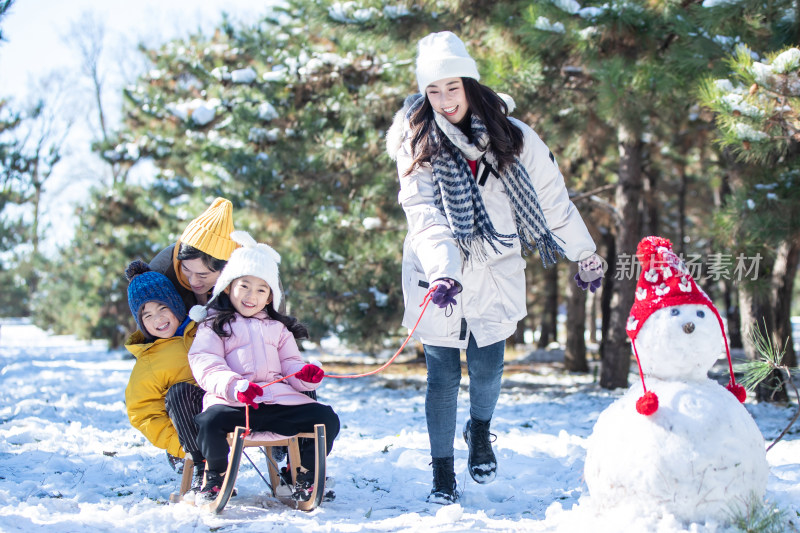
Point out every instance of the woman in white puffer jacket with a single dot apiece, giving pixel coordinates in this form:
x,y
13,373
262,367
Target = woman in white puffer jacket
x,y
476,187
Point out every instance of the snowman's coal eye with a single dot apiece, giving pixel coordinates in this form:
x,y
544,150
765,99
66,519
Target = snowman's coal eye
x,y
701,314
674,312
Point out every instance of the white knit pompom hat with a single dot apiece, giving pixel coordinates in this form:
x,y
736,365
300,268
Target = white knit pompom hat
x,y
251,259
443,55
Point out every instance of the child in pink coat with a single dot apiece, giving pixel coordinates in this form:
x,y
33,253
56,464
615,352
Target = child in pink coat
x,y
242,344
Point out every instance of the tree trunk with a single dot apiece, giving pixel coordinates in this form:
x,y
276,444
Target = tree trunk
x,y
650,203
617,351
33,276
608,289
732,315
548,331
518,337
757,312
419,351
682,189
783,274
575,350
730,292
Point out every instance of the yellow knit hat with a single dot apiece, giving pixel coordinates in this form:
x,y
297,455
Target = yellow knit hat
x,y
209,233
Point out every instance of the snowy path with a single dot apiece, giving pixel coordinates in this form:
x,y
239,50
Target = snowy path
x,y
70,462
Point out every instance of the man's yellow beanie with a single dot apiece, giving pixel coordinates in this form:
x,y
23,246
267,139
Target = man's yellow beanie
x,y
211,231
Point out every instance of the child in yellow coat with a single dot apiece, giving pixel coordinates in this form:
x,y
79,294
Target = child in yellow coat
x,y
162,396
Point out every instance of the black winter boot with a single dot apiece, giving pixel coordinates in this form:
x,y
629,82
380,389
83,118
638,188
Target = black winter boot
x,y
444,490
304,485
212,486
482,464
197,476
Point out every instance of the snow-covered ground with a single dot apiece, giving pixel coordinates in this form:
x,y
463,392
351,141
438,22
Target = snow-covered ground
x,y
70,462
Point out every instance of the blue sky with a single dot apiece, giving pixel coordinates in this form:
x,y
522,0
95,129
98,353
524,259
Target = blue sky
x,y
34,29
35,45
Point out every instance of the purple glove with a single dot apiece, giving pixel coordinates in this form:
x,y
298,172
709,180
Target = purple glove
x,y
445,292
590,273
246,392
310,373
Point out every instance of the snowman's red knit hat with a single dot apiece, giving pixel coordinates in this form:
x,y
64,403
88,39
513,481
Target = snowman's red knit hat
x,y
665,281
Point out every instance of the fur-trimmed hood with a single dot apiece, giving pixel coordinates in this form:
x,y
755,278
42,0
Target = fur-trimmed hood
x,y
394,137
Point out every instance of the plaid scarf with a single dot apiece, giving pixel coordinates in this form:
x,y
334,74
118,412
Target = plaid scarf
x,y
458,197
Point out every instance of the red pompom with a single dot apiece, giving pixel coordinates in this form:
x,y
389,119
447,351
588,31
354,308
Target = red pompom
x,y
647,404
738,391
648,248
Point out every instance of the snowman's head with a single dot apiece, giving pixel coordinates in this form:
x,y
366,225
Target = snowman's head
x,y
673,325
680,342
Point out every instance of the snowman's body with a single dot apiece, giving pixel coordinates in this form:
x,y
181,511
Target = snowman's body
x,y
700,456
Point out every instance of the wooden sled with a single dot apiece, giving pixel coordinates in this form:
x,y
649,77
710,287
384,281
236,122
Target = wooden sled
x,y
280,490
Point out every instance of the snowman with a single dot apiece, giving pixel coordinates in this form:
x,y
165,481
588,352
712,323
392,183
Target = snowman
x,y
683,445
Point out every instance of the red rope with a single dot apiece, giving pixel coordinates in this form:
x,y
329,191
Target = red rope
x,y
425,301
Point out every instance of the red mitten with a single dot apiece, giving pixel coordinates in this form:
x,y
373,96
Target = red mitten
x,y
246,392
310,373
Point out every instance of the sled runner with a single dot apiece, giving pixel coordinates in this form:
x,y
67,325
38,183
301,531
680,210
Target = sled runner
x,y
281,487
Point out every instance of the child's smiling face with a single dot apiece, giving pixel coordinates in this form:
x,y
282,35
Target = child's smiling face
x,y
249,295
159,320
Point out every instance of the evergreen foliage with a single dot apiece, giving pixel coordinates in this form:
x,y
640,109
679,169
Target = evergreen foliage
x,y
84,291
5,5
14,270
755,104
762,517
285,117
771,370
31,146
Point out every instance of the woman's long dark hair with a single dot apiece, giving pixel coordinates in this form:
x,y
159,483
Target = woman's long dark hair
x,y
226,314
505,139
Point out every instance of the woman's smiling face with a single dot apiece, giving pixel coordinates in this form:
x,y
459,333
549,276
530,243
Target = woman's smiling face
x,y
447,97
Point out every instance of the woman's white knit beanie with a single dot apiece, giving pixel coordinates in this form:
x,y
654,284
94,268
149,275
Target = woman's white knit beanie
x,y
443,55
251,259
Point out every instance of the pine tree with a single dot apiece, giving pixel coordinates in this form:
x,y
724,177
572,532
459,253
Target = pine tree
x,y
285,118
5,5
623,77
84,291
756,108
14,296
32,149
